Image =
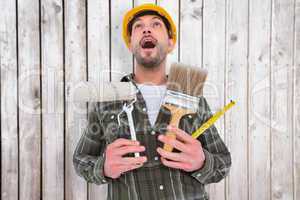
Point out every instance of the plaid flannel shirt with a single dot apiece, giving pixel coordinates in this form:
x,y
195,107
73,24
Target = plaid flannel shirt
x,y
153,181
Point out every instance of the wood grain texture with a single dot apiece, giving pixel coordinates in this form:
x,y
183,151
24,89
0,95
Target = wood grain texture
x,y
250,48
52,100
75,71
140,2
98,62
29,100
259,99
191,15
121,58
214,61
236,88
173,9
9,104
281,100
296,107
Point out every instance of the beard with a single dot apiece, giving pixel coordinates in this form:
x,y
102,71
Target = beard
x,y
150,62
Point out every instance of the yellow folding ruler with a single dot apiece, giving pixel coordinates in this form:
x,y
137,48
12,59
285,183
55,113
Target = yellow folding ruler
x,y
212,120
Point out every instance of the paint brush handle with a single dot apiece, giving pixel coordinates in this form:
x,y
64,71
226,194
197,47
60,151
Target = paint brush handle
x,y
176,115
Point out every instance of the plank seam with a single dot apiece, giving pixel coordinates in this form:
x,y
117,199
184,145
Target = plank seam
x,y
110,40
41,101
202,37
178,30
293,102
226,187
87,69
248,102
18,110
64,95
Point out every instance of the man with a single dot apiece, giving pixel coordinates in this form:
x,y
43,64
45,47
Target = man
x,y
103,152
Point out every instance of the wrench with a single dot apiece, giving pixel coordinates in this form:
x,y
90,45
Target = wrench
x,y
128,110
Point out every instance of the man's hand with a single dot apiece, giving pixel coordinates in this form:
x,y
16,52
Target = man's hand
x,y
115,164
190,158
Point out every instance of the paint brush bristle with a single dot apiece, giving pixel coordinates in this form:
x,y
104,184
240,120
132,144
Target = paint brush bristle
x,y
186,79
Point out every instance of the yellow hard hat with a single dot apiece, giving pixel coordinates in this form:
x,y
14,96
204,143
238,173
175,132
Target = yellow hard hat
x,y
129,16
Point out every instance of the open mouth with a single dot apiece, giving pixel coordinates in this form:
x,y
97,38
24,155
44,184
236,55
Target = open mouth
x,y
148,43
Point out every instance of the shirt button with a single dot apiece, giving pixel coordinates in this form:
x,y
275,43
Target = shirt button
x,y
198,175
152,132
190,116
155,158
144,109
112,117
161,187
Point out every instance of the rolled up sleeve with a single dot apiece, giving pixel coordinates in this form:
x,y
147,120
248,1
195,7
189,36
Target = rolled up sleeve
x,y
217,157
88,157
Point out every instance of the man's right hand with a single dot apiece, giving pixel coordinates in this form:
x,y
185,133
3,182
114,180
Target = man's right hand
x,y
115,164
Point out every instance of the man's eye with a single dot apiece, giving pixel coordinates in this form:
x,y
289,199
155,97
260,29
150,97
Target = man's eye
x,y
137,26
156,24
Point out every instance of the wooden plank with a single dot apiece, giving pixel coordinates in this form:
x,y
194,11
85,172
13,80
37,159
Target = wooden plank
x,y
53,100
214,61
259,99
9,118
236,88
191,15
98,61
297,103
121,58
75,71
281,99
173,10
29,100
140,2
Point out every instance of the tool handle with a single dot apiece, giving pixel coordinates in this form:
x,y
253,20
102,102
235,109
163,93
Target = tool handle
x,y
132,131
176,114
212,120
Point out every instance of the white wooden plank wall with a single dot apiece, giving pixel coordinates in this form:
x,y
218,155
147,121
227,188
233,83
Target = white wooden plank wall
x,y
259,91
173,8
297,102
121,59
214,61
75,71
236,83
9,96
29,96
250,48
52,100
98,60
281,99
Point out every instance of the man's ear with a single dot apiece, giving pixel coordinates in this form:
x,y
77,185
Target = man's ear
x,y
171,44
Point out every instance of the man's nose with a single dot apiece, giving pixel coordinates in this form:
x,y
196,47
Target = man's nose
x,y
147,30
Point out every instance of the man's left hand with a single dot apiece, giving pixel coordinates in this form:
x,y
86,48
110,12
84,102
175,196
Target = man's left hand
x,y
190,158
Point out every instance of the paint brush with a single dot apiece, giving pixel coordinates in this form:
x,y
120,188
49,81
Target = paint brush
x,y
184,86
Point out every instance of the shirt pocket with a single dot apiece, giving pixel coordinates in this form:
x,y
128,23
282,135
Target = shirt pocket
x,y
190,122
109,120
110,126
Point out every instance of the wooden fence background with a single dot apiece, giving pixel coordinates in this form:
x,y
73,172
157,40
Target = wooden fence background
x,y
251,49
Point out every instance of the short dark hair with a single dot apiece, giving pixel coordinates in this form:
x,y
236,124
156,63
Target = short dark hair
x,y
150,12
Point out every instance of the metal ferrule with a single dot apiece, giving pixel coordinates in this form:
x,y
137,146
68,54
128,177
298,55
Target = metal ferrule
x,y
181,100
